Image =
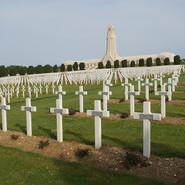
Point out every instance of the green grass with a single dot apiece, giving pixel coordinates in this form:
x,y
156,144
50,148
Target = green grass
x,y
18,167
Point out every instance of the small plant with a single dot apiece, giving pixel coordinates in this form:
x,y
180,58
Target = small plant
x,y
122,100
166,61
100,65
149,62
132,64
116,64
141,100
124,63
158,61
72,112
124,115
43,144
14,137
108,65
141,62
83,152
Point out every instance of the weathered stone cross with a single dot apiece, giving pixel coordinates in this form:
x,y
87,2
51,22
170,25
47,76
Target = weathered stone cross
x,y
132,93
98,113
59,111
4,107
146,116
147,84
81,93
28,108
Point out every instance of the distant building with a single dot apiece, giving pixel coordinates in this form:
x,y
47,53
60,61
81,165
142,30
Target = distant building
x,y
112,54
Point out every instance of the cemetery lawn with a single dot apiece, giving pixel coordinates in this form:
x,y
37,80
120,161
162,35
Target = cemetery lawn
x,y
18,167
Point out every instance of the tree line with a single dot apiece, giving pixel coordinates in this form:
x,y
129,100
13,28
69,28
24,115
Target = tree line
x,y
22,70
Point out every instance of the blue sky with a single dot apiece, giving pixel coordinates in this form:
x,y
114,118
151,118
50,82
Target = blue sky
x,y
43,32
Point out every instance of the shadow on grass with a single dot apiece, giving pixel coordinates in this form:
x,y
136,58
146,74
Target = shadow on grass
x,y
48,132
22,128
79,136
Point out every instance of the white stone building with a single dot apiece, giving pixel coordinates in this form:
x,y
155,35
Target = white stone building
x,y
112,54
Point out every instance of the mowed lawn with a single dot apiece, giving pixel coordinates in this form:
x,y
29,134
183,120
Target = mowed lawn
x,y
167,139
18,167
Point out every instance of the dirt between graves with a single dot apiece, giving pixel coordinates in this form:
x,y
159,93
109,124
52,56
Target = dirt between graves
x,y
170,170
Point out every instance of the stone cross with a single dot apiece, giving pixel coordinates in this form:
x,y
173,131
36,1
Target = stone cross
x,y
36,92
40,88
81,93
59,112
17,91
8,95
139,79
4,107
105,94
132,93
34,88
98,113
28,108
46,89
161,79
23,91
126,84
146,116
169,84
53,89
173,83
147,84
29,91
108,85
60,92
155,79
163,93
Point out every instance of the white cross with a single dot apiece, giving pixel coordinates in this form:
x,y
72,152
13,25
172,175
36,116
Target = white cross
x,y
8,95
4,107
60,92
146,116
105,94
23,91
161,78
132,93
36,92
28,108
139,79
81,93
173,83
108,85
59,111
169,84
147,84
163,93
29,91
98,113
126,84
17,91
40,87
46,89
155,79
53,88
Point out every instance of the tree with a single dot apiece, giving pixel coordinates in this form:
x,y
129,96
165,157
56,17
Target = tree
x,y
3,71
82,66
124,63
69,68
149,61
116,64
62,68
177,59
47,68
12,70
132,64
108,64
55,68
141,62
158,61
100,65
22,70
75,66
39,69
166,61
30,70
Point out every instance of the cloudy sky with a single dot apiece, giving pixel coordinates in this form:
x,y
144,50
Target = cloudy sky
x,y
43,32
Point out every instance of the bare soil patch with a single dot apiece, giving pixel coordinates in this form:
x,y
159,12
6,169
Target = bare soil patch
x,y
170,170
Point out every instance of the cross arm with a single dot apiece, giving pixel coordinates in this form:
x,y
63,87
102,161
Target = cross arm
x,y
30,109
59,111
150,116
98,113
5,107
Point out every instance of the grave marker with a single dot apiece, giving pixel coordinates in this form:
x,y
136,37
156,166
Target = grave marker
x,y
126,84
81,93
147,84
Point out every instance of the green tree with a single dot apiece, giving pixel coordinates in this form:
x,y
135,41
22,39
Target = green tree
x,y
132,64
55,68
62,68
30,70
116,64
39,69
47,68
100,65
22,70
3,71
108,64
141,62
158,61
69,68
75,66
166,61
149,62
124,63
177,59
82,66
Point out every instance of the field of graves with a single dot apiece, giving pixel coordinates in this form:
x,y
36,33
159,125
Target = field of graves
x,y
167,135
